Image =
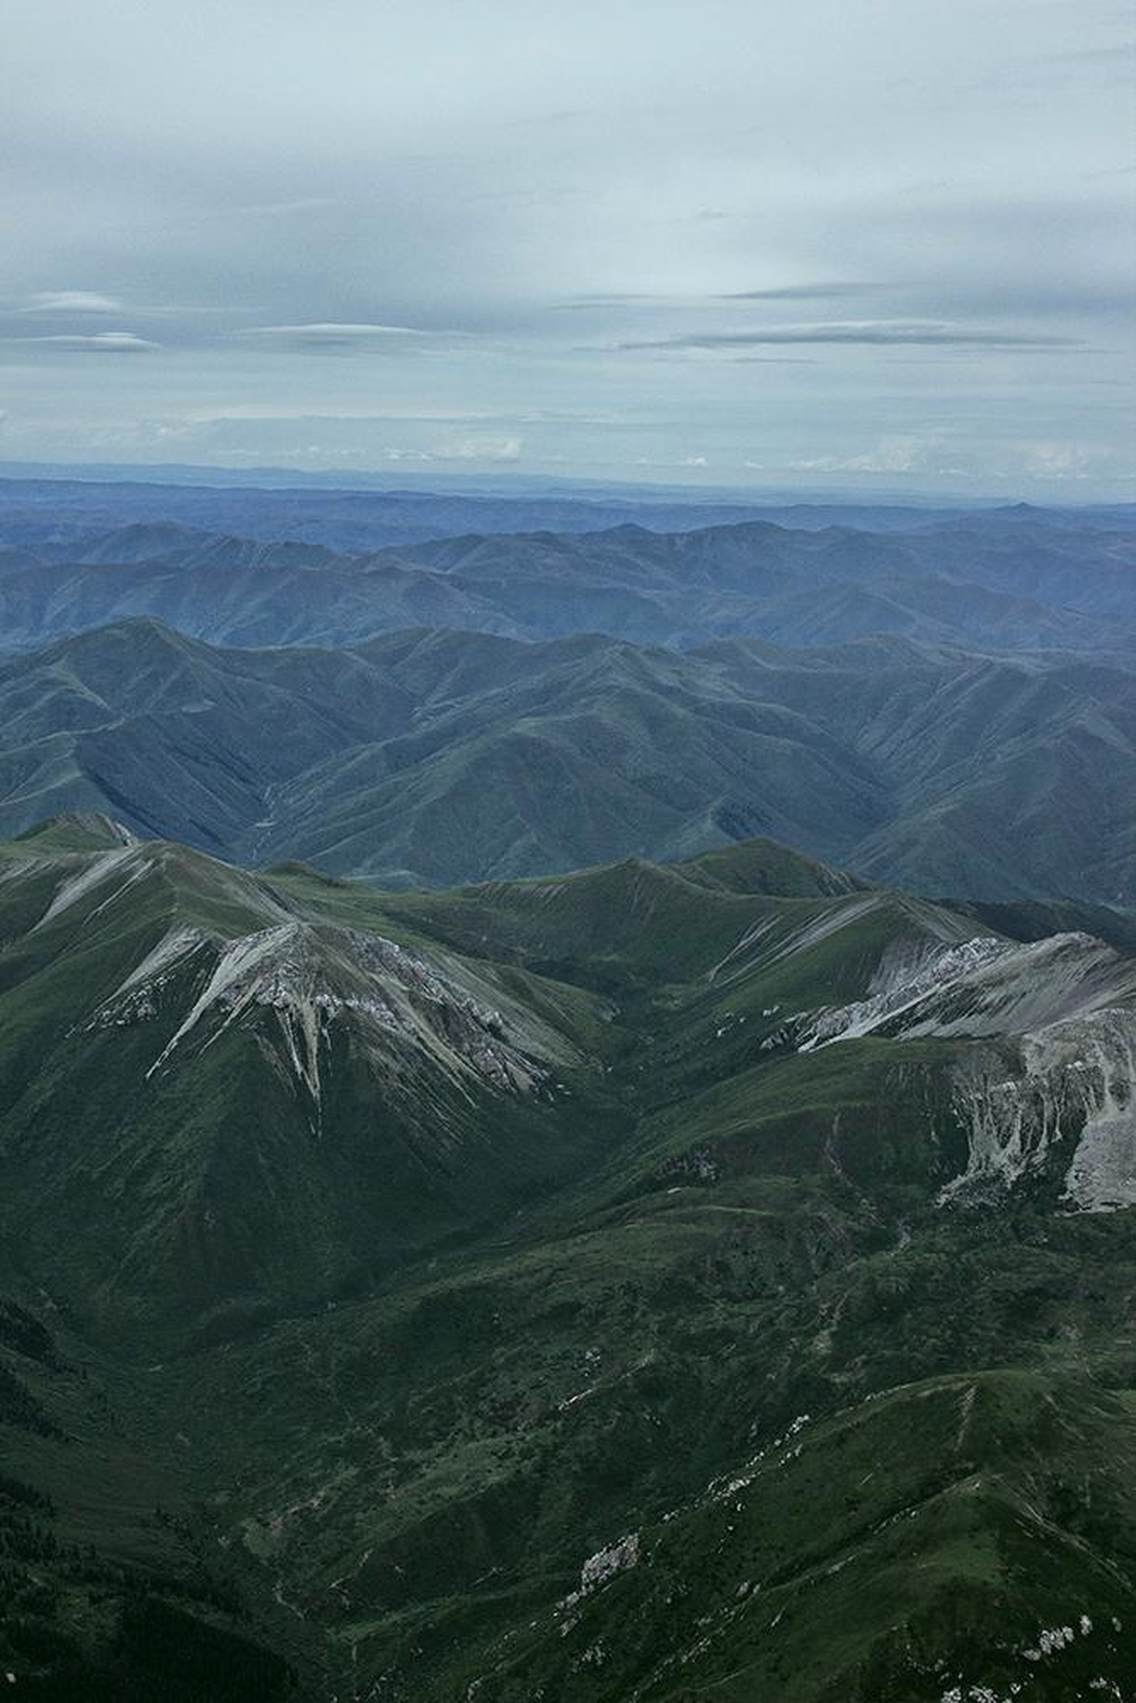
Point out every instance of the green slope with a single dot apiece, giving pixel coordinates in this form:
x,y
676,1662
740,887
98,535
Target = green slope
x,y
703,1281
297,1103
433,758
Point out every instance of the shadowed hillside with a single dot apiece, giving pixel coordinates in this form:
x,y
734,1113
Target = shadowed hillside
x,y
429,758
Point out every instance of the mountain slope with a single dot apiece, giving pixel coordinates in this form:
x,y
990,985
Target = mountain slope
x,y
298,1101
433,758
756,1320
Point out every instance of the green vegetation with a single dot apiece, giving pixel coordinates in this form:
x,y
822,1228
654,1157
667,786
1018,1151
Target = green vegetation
x,y
429,758
478,1296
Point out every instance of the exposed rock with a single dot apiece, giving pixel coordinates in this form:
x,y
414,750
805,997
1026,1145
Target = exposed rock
x,y
605,1563
1077,1080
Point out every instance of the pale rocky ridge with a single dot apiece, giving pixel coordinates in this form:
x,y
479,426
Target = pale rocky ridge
x,y
1065,1007
294,982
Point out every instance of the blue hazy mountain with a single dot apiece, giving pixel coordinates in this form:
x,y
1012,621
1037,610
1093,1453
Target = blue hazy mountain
x,y
435,757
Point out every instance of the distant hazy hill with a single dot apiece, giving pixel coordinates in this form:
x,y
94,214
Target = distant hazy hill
x,y
1000,580
433,758
712,1280
59,509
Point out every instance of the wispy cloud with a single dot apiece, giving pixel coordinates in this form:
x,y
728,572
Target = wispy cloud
x,y
331,334
892,455
1119,53
277,209
870,202
497,450
97,343
588,304
777,293
799,293
72,301
334,328
479,449
364,414
876,333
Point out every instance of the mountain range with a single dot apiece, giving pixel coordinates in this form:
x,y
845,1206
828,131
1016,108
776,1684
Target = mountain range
x,y
656,1282
994,581
51,504
567,1084
431,758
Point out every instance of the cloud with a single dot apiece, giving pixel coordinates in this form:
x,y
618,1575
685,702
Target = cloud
x,y
877,333
1118,54
331,334
781,293
892,455
72,301
479,449
97,343
1060,460
274,209
366,413
314,223
461,449
592,304
799,293
331,328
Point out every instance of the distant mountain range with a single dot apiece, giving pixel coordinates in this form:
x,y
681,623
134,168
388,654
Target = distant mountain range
x,y
1005,579
432,758
53,504
61,510
711,1280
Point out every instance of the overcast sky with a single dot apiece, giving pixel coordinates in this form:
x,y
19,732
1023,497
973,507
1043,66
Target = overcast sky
x,y
840,242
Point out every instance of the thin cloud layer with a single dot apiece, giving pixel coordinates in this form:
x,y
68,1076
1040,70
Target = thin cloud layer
x,y
72,302
802,293
582,218
97,342
330,332
874,333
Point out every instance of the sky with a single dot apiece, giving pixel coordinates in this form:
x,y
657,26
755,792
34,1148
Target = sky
x,y
839,243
